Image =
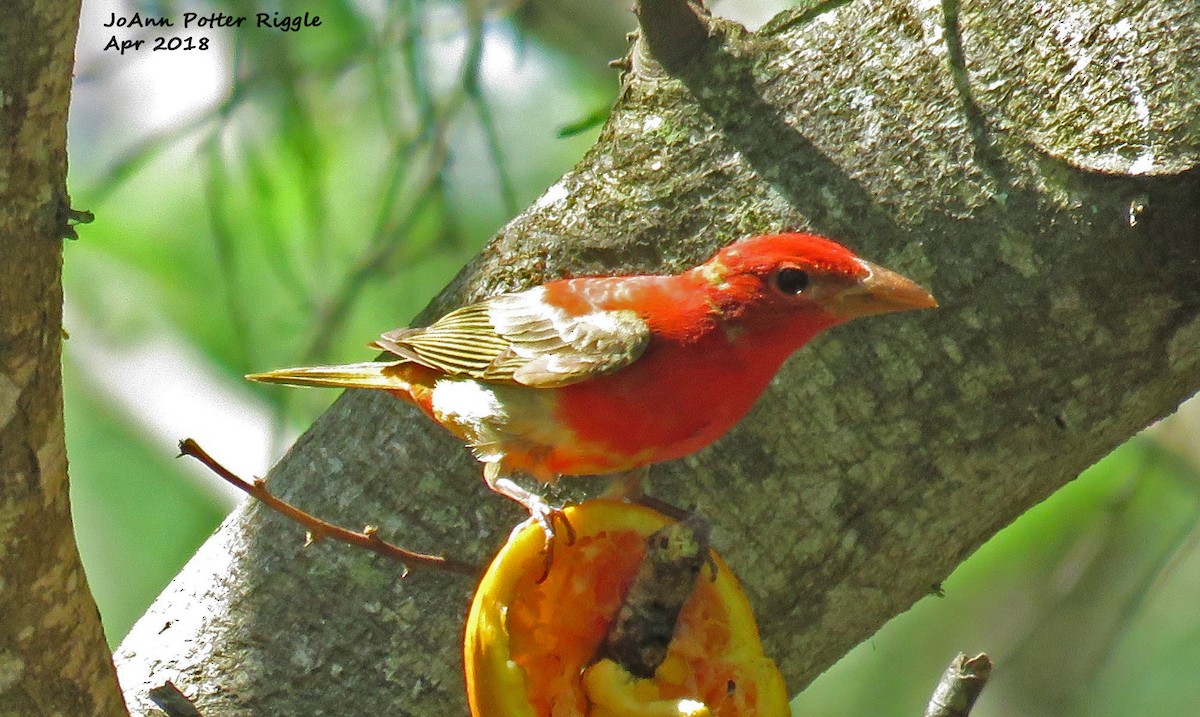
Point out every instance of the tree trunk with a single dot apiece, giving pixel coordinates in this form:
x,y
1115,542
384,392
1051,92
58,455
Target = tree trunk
x,y
53,658
1037,166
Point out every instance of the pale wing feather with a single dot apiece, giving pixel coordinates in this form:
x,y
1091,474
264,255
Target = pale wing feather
x,y
519,338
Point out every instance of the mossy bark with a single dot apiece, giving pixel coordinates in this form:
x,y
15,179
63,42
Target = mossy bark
x,y
1038,168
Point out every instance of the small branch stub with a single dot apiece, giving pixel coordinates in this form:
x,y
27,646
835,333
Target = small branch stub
x,y
960,686
675,31
68,217
170,699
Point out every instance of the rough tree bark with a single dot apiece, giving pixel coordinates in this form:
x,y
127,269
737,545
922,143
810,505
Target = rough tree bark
x,y
1038,166
53,658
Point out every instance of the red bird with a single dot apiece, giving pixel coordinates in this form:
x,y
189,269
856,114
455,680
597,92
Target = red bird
x,y
609,374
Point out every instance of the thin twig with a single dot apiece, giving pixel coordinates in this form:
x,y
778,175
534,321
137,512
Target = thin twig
x,y
960,686
317,528
171,700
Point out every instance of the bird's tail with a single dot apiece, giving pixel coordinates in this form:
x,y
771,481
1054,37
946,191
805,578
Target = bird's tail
x,y
369,374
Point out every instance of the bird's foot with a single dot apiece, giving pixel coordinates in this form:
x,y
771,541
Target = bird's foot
x,y
630,487
668,509
627,486
545,514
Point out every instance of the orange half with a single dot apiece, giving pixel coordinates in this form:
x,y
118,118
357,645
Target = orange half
x,y
529,647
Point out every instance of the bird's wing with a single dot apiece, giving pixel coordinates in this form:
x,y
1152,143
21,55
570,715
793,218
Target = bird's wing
x,y
520,338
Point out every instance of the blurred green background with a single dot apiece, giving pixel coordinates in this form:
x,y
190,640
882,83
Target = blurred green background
x,y
282,197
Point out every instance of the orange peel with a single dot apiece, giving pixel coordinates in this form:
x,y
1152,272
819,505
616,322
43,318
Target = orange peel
x,y
530,646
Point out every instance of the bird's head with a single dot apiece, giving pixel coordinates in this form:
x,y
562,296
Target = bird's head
x,y
803,280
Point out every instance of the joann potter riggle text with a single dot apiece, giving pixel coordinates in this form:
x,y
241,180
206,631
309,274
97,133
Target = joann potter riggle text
x,y
217,19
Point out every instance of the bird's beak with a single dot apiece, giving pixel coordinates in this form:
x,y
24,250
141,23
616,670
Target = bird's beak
x,y
881,291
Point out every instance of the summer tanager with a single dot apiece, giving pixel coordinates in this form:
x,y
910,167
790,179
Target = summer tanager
x,y
609,374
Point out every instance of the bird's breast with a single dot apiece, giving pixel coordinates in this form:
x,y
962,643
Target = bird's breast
x,y
673,401
677,398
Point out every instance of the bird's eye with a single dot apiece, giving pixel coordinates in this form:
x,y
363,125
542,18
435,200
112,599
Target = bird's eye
x,y
791,281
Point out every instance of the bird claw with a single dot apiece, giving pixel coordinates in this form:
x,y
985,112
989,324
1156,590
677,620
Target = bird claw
x,y
668,509
627,486
539,510
545,516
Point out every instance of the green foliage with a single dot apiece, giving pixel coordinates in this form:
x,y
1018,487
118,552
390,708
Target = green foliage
x,y
137,517
343,177
1086,604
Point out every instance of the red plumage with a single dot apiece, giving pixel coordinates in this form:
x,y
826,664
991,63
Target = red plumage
x,y
600,375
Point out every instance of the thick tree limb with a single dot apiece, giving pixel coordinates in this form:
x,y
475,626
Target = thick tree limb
x,y
1036,168
53,658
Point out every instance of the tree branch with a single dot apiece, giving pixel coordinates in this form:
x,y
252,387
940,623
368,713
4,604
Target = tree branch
x,y
318,529
53,657
960,686
675,31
